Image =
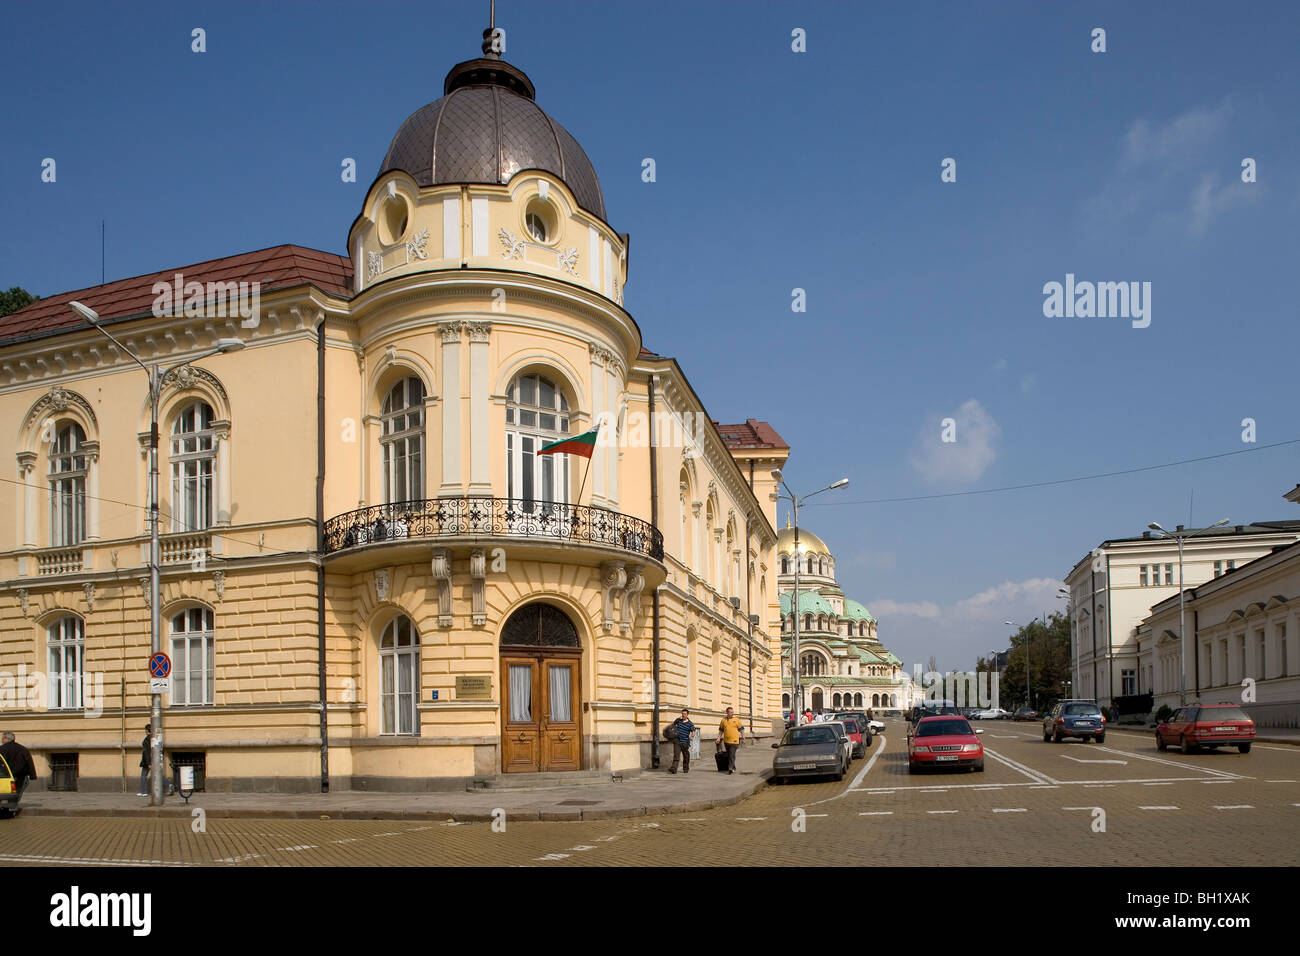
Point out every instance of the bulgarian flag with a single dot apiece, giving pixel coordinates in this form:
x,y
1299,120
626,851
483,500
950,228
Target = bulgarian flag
x,y
584,445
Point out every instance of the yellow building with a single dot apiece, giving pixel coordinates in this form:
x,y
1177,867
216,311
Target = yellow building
x,y
370,576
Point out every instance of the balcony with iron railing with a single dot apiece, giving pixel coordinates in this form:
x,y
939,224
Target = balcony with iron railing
x,y
481,517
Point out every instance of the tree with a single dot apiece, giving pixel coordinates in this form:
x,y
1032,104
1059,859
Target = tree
x,y
15,299
1048,647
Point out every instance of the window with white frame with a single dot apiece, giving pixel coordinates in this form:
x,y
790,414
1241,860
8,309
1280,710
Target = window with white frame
x,y
537,414
1128,682
402,441
1169,574
1142,575
1218,569
192,657
68,486
193,455
399,677
66,655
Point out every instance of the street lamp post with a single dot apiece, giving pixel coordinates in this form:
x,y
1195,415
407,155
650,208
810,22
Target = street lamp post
x,y
796,686
1028,702
1179,534
156,379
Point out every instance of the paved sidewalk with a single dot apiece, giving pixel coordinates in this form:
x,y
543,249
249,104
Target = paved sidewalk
x,y
645,793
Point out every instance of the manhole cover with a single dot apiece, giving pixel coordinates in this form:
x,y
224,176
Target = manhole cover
x,y
578,803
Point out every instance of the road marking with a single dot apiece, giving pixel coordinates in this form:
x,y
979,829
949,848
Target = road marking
x,y
581,847
692,819
994,787
1290,750
1281,781
1218,781
1079,808
1157,808
943,811
1086,760
1094,786
816,814
1238,806
552,856
890,813
858,779
1036,786
1173,763
1162,783
750,819
1034,775
393,833
1006,736
1010,810
290,849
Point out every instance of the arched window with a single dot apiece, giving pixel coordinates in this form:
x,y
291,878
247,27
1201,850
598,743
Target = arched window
x,y
539,625
537,413
812,665
875,700
66,645
835,701
192,657
807,622
193,454
821,565
785,701
785,564
821,622
68,487
399,677
857,700
810,564
402,441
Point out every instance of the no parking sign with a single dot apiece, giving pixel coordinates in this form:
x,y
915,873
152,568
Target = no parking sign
x,y
160,670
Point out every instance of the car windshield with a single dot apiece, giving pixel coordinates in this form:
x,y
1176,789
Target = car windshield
x,y
1211,715
1082,710
800,736
942,728
851,726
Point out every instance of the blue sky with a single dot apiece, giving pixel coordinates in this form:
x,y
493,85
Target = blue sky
x,y
779,170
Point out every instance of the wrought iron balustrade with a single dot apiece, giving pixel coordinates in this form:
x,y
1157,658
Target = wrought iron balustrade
x,y
491,517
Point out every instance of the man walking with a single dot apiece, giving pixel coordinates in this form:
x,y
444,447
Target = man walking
x,y
731,734
19,759
682,742
146,760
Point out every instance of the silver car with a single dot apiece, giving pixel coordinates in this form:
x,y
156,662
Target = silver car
x,y
812,750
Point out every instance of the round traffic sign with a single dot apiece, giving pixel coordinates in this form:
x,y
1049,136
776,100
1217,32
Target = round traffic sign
x,y
160,665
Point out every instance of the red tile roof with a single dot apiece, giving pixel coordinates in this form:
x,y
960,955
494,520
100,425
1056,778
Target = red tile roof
x,y
752,434
279,267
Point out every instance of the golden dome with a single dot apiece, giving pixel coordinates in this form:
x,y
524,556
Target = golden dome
x,y
809,543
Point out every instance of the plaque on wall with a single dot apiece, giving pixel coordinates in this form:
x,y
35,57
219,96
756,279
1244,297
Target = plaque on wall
x,y
474,688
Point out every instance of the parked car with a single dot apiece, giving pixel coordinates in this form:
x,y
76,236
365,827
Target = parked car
x,y
1025,713
992,713
1207,725
1074,718
944,741
857,736
868,725
8,790
811,750
877,727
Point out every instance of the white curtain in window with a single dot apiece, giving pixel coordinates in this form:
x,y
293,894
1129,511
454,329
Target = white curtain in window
x,y
560,709
521,693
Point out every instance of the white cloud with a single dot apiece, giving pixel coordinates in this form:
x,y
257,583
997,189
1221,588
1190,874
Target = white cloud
x,y
957,633
1177,139
1209,200
967,457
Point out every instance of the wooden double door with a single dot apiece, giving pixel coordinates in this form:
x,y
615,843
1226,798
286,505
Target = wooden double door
x,y
541,709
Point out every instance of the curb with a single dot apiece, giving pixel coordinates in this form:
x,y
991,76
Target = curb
x,y
475,815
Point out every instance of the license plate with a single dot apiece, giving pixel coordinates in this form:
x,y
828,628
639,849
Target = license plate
x,y
1224,730
805,766
1085,723
949,757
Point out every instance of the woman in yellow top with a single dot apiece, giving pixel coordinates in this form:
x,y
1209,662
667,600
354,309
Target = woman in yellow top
x,y
731,733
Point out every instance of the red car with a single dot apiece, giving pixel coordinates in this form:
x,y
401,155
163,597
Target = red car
x,y
944,741
1206,725
851,727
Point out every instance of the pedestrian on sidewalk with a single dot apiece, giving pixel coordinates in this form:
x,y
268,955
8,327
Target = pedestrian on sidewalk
x,y
146,760
731,734
682,744
20,762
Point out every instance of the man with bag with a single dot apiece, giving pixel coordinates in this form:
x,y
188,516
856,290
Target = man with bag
x,y
679,732
731,734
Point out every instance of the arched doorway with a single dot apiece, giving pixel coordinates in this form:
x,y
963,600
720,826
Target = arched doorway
x,y
817,700
541,691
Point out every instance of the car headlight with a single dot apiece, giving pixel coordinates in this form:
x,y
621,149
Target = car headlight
x,y
920,750
970,747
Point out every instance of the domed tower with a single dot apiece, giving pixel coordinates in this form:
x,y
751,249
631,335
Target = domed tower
x,y
484,178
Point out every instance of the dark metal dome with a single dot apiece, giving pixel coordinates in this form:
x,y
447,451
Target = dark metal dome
x,y
486,128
